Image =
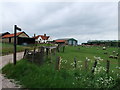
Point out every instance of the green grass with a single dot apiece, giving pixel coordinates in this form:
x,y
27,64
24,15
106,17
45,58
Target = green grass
x,y
33,75
89,52
8,48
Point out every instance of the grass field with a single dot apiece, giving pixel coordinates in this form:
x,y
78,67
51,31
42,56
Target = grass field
x,y
32,75
7,48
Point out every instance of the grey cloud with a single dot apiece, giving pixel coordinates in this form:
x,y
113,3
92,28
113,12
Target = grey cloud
x,y
59,20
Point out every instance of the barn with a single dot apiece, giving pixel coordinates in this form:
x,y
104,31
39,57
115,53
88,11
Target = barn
x,y
67,41
60,41
21,38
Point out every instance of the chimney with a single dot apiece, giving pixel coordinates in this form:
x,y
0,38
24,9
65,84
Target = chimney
x,y
45,35
34,35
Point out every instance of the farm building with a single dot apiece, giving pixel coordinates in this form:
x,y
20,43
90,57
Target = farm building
x,y
41,38
67,41
60,41
21,38
2,34
112,43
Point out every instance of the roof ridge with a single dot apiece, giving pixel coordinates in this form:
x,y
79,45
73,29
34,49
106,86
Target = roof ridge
x,y
12,35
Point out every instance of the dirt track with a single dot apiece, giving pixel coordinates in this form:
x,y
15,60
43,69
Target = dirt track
x,y
8,83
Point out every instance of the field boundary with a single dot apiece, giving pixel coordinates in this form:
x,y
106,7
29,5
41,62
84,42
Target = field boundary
x,y
5,83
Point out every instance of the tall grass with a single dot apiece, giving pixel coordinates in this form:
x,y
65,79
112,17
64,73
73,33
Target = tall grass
x,y
33,76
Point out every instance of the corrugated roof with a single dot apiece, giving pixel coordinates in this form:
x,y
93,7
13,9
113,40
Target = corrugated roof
x,y
60,41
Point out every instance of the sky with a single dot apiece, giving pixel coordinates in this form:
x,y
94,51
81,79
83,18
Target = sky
x,y
80,20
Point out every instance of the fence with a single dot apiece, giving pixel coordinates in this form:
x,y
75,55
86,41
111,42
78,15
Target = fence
x,y
40,54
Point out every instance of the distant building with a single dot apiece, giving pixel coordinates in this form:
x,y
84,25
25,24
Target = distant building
x,y
41,38
67,41
60,41
84,43
21,38
112,43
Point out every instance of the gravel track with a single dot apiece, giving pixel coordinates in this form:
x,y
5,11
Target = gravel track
x,y
8,83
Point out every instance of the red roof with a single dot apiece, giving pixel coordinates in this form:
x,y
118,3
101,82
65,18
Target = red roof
x,y
12,35
60,41
37,36
43,37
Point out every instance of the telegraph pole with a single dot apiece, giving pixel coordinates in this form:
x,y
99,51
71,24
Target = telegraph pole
x,y
15,31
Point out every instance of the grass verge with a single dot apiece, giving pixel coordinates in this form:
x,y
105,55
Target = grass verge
x,y
31,75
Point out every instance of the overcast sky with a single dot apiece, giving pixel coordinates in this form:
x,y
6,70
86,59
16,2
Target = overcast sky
x,y
80,20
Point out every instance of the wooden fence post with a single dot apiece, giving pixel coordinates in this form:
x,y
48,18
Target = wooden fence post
x,y
54,51
58,62
25,53
33,56
58,48
50,55
75,62
42,53
107,66
86,64
94,66
47,51
63,48
34,50
39,48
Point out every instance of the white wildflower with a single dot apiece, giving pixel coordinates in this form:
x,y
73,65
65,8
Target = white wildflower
x,y
79,61
81,65
88,59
